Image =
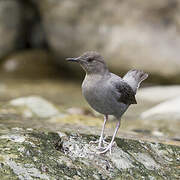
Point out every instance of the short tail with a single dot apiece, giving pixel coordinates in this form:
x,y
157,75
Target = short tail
x,y
134,78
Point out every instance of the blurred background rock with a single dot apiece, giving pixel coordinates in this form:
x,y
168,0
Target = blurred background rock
x,y
130,34
37,36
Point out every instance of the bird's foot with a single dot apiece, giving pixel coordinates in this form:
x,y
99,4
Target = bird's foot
x,y
101,143
108,148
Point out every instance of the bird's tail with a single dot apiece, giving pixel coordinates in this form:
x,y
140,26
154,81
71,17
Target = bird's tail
x,y
134,78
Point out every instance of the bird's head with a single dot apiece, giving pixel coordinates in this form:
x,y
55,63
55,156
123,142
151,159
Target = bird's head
x,y
91,62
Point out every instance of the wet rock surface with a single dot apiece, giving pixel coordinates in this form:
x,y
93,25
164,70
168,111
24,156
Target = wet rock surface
x,y
31,154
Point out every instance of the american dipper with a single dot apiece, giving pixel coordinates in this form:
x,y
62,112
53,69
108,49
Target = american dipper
x,y
106,92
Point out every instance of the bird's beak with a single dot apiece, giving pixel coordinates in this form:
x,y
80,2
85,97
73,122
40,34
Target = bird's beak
x,y
73,59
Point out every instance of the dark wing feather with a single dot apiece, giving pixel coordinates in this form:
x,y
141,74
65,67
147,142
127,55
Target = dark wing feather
x,y
127,95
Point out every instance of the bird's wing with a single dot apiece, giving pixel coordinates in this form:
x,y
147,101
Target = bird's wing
x,y
126,94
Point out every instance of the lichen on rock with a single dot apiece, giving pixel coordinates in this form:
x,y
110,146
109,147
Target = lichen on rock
x,y
34,154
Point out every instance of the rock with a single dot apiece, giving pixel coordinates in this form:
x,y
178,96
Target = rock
x,y
158,94
64,95
169,109
29,64
74,27
10,25
33,33
75,110
51,155
20,26
36,105
78,119
157,133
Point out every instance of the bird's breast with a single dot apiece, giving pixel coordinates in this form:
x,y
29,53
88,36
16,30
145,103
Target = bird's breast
x,y
91,91
97,95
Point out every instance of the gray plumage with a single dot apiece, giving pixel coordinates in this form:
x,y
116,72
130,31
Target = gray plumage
x,y
106,92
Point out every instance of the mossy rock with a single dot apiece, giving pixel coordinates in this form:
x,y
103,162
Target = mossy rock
x,y
33,154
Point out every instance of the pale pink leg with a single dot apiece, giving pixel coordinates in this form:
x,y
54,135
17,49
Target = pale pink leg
x,y
109,147
101,140
102,132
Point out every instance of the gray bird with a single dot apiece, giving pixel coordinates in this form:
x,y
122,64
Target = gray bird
x,y
106,92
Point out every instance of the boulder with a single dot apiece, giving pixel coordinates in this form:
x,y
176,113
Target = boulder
x,y
29,64
130,34
33,154
157,94
10,25
35,105
169,109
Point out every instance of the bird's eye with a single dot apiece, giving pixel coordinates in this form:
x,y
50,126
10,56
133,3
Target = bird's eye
x,y
90,59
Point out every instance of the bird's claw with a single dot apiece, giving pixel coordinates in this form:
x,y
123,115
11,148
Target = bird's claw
x,y
108,148
103,146
101,143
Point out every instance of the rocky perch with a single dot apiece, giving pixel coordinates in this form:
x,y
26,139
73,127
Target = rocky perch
x,y
33,154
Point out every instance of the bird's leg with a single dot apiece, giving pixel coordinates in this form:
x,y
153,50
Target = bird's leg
x,y
101,140
109,147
